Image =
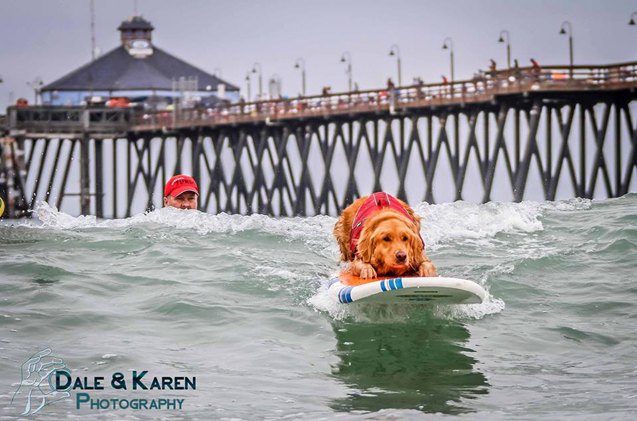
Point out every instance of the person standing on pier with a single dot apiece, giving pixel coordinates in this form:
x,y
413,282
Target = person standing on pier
x,y
536,69
181,192
492,67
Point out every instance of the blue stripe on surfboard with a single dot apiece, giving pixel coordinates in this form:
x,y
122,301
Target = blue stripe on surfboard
x,y
345,295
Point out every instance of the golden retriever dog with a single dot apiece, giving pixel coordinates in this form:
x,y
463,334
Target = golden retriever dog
x,y
380,236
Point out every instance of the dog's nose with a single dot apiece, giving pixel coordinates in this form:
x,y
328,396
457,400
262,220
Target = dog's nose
x,y
401,256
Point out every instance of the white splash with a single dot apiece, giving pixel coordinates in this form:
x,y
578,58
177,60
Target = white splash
x,y
462,220
203,223
50,217
442,223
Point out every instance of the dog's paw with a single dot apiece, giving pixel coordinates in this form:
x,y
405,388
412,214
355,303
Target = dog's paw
x,y
427,269
367,271
362,269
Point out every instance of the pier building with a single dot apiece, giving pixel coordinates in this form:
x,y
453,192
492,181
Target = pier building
x,y
141,72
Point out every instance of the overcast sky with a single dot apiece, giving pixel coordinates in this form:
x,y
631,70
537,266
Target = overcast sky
x,y
49,38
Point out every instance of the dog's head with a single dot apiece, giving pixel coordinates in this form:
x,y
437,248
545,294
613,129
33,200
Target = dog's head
x,y
391,243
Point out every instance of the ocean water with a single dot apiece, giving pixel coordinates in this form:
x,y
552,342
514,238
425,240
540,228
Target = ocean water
x,y
240,304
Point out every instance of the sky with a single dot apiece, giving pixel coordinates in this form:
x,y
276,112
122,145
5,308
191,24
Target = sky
x,y
48,38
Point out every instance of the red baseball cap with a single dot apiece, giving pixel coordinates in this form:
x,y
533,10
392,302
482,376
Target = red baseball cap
x,y
180,183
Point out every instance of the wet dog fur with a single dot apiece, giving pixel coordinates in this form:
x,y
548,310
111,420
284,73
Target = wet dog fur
x,y
389,244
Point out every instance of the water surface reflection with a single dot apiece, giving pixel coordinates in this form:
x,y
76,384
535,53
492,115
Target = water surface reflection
x,y
422,364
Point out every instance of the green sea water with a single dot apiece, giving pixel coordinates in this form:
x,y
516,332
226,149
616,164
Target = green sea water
x,y
240,304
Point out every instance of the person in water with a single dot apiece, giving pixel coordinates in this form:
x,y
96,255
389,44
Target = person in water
x,y
181,192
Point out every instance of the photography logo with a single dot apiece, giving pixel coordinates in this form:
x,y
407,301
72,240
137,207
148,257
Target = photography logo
x,y
45,379
37,389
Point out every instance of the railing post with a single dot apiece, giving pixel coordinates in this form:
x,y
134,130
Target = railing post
x,y
99,179
86,120
13,119
85,177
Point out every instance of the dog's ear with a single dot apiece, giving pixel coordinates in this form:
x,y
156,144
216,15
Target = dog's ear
x,y
365,247
417,248
343,228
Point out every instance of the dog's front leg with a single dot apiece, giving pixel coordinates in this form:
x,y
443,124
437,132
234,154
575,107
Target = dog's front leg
x,y
362,269
427,269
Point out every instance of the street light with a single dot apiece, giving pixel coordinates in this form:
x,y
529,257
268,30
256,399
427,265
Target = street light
x,y
248,86
506,39
567,24
395,51
448,44
347,58
302,67
632,19
254,70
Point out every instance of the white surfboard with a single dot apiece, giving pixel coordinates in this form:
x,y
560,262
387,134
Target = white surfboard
x,y
435,290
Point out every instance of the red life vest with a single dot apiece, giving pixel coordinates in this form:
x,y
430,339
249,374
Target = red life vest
x,y
372,204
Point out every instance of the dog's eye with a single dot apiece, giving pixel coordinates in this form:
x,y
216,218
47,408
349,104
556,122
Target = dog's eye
x,y
404,238
387,238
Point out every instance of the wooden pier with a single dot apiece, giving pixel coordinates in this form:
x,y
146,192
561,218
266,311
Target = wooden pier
x,y
311,155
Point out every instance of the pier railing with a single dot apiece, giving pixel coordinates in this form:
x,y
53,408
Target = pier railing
x,y
47,121
483,87
44,121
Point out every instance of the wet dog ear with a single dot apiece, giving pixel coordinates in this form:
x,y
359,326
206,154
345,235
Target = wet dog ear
x,y
365,245
417,248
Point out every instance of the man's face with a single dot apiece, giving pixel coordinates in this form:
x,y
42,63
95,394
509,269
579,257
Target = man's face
x,y
186,200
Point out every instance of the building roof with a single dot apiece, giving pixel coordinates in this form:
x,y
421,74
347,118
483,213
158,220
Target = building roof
x,y
136,22
118,70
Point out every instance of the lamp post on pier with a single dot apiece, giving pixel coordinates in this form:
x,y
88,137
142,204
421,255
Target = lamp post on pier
x,y
347,58
567,24
249,98
448,44
254,70
506,39
394,50
300,64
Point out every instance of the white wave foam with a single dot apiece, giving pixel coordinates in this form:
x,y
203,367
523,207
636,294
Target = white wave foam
x,y
50,217
203,223
321,301
491,305
441,223
569,205
315,232
463,220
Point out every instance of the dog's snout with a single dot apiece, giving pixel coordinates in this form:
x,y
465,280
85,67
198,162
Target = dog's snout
x,y
401,256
